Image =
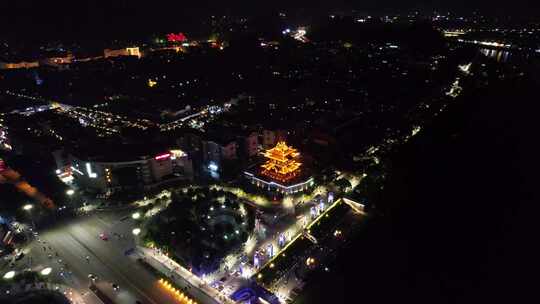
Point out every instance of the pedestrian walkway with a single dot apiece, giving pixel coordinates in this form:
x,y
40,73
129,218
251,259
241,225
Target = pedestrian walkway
x,y
167,266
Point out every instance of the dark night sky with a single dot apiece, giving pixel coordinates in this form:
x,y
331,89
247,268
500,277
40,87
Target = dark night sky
x,y
62,17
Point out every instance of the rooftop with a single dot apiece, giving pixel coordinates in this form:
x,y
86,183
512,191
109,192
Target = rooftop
x,y
118,152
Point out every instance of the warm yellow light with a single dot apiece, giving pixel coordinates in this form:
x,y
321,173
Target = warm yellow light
x,y
281,163
180,296
152,83
310,261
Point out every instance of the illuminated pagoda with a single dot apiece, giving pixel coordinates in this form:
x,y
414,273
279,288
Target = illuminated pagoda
x,y
281,163
281,171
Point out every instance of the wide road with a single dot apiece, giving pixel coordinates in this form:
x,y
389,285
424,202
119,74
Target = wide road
x,y
79,239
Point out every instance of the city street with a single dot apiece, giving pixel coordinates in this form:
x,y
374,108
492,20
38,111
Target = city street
x,y
216,153
75,250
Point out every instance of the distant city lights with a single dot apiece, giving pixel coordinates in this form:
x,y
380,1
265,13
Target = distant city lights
x,y
151,83
298,34
180,37
177,154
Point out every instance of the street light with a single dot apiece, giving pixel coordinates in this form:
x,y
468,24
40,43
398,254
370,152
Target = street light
x,y
46,271
136,231
70,192
9,275
136,215
310,261
29,207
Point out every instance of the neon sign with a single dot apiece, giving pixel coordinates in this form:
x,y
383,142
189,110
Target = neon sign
x,y
180,37
89,171
77,170
162,156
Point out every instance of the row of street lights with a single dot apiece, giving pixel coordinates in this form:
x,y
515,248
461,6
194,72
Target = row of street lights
x,y
11,274
29,207
136,216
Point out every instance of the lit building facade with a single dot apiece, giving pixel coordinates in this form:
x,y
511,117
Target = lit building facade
x,y
181,164
140,173
57,61
19,65
281,172
130,51
215,152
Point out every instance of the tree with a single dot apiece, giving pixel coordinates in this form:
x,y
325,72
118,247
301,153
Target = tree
x,y
343,184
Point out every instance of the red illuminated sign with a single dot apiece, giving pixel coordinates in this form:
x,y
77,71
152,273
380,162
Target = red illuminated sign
x,y
162,156
180,37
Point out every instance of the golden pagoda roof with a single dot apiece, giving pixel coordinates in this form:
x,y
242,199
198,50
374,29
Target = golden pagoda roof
x,y
281,162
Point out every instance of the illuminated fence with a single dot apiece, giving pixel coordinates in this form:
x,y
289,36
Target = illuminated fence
x,y
178,294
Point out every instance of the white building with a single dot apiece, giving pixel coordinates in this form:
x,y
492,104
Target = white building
x,y
102,175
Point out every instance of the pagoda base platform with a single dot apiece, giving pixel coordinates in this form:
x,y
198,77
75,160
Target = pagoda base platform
x,y
295,185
